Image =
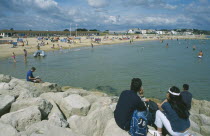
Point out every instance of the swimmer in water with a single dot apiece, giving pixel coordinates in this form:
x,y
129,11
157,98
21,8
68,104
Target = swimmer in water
x,y
194,47
200,54
167,45
14,57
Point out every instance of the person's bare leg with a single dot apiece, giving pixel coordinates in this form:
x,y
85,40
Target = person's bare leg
x,y
159,131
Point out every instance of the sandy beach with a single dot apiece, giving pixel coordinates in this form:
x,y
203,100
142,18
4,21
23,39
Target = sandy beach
x,y
6,50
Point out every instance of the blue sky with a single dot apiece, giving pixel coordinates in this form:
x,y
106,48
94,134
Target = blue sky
x,y
104,14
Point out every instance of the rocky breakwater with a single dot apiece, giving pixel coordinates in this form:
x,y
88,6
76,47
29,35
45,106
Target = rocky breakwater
x,y
29,109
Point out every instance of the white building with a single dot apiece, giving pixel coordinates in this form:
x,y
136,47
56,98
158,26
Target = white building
x,y
130,31
174,32
2,34
188,33
160,32
143,31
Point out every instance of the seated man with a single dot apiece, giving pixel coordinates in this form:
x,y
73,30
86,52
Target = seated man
x,y
129,102
186,96
31,78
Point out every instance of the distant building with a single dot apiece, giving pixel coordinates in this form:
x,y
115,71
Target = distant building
x,y
174,32
188,33
22,33
2,34
130,31
117,32
143,31
160,32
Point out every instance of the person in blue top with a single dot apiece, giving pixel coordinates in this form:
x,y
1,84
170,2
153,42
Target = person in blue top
x,y
30,77
173,115
186,96
128,102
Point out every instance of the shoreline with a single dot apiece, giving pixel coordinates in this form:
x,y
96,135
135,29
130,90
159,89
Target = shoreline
x,y
6,50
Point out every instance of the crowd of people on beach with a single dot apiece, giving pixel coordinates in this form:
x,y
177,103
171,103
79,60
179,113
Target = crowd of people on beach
x,y
134,112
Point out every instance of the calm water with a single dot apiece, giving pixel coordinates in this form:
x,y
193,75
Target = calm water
x,y
111,67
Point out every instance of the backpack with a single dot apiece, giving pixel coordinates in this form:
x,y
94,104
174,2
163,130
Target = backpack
x,y
139,123
153,107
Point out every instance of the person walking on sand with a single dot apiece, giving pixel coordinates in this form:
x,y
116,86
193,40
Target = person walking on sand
x,y
14,57
25,54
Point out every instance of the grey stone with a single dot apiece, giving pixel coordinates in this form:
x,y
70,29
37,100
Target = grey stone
x,y
47,87
5,103
194,127
74,104
205,130
7,130
93,124
22,118
112,129
56,97
101,102
80,92
58,120
44,106
5,86
44,128
5,78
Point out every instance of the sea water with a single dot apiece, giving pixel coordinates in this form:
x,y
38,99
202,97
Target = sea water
x,y
110,68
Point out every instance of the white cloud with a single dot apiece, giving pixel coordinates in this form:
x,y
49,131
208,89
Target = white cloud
x,y
98,3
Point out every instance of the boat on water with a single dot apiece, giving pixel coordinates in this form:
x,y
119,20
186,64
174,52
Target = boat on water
x,y
39,53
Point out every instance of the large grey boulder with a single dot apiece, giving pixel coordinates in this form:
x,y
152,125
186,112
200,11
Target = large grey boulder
x,y
5,103
47,87
58,120
93,124
74,105
7,130
5,78
101,102
194,127
80,92
14,82
5,86
91,98
22,118
43,105
25,94
45,128
56,97
205,130
112,129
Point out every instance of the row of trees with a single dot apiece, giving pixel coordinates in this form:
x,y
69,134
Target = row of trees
x,y
82,29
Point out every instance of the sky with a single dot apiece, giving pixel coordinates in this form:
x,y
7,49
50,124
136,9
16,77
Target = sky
x,y
112,15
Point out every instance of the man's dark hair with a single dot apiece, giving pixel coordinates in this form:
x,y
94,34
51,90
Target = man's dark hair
x,y
33,68
186,86
136,84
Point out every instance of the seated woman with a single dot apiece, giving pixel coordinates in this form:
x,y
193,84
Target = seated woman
x,y
173,115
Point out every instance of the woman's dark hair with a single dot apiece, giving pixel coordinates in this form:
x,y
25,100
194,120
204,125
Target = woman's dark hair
x,y
177,103
136,84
